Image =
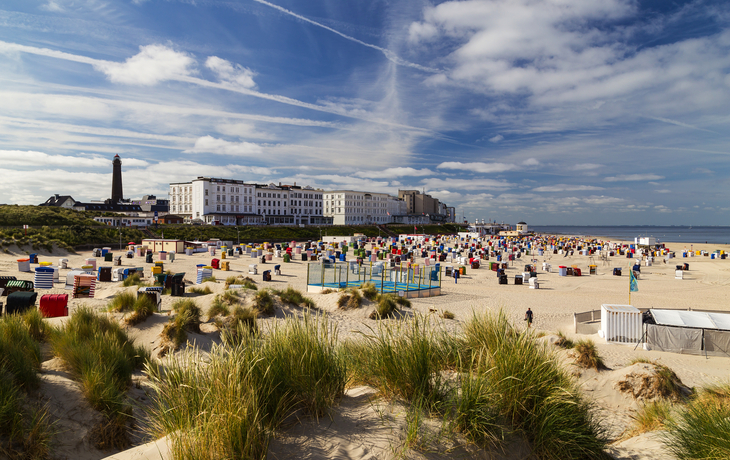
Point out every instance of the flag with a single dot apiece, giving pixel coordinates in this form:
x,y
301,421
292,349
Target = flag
x,y
633,285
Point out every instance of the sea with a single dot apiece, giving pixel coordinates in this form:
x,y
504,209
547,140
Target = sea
x,y
673,234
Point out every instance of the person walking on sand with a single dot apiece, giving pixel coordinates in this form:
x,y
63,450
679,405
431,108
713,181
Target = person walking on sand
x,y
528,317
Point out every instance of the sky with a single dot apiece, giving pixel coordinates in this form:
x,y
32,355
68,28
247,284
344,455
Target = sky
x,y
553,112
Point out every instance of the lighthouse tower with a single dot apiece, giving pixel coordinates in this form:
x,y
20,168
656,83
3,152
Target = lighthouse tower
x,y
117,194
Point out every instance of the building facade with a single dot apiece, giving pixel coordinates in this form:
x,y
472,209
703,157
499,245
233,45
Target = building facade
x,y
349,207
214,200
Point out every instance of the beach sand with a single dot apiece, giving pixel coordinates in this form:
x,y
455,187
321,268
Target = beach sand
x,y
363,427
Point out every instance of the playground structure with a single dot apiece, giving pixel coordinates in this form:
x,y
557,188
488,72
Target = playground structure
x,y
406,280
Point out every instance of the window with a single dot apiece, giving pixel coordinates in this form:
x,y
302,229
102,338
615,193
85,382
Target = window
x,y
224,188
259,202
223,208
206,192
219,188
217,207
206,202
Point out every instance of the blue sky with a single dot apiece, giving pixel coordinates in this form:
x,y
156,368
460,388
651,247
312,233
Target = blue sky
x,y
585,112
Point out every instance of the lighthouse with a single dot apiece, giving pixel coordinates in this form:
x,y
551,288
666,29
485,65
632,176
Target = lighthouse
x,y
117,194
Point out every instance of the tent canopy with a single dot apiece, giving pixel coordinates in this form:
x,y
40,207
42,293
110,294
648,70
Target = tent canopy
x,y
694,319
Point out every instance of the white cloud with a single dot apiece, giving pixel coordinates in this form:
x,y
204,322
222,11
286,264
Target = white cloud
x,y
565,188
496,138
392,173
52,6
229,73
153,64
585,166
633,177
664,190
531,162
477,167
29,158
210,144
465,184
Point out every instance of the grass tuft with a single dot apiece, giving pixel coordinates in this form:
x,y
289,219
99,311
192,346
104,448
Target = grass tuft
x,y
186,319
369,291
349,299
201,291
446,314
264,302
701,430
563,341
230,407
133,280
387,307
587,355
143,308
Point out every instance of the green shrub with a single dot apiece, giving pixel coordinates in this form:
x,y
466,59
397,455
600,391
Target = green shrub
x,y
446,314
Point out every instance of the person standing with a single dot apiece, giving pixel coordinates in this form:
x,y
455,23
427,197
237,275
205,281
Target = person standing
x,y
528,317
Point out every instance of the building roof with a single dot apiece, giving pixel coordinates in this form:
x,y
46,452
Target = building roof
x,y
521,223
57,200
108,207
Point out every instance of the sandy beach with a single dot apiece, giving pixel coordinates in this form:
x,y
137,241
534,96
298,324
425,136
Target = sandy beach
x,y
357,429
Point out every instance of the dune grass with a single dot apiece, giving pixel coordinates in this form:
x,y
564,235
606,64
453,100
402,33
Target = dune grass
x,y
402,359
133,280
587,355
186,319
349,299
446,314
651,416
142,307
535,395
369,291
701,429
563,341
386,307
25,427
102,358
212,279
295,297
201,291
242,323
264,302
229,408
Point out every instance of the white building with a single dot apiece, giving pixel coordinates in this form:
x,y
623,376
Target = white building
x,y
224,201
306,205
348,207
272,203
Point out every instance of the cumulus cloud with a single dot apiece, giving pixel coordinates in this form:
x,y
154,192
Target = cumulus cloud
x,y
496,138
392,173
210,144
477,167
153,64
230,73
633,177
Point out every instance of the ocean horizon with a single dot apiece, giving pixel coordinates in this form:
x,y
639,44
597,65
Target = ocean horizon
x,y
663,234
